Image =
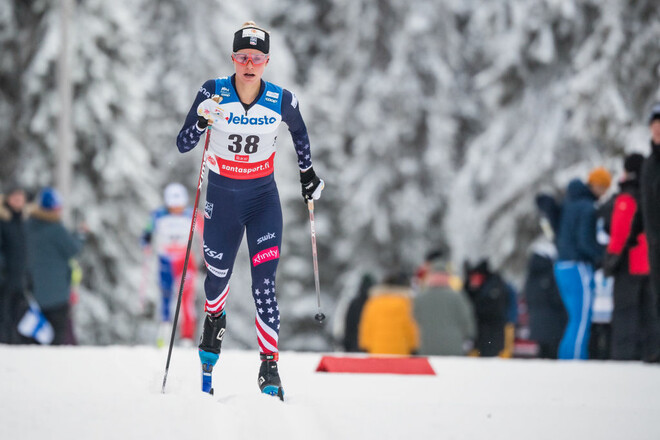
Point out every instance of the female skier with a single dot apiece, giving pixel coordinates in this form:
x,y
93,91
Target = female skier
x,y
242,195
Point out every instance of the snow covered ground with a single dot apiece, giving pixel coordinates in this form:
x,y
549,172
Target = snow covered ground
x,y
114,393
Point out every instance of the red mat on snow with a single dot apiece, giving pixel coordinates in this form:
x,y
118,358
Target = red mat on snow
x,y
387,365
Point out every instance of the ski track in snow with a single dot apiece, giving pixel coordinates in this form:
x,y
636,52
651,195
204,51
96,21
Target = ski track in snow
x,y
115,392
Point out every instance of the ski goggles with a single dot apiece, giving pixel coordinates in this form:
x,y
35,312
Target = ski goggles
x,y
256,58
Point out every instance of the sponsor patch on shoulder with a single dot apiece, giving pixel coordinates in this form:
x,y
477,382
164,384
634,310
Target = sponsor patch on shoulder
x,y
273,95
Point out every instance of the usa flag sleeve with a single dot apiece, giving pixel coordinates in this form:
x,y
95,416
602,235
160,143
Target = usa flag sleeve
x,y
293,119
189,134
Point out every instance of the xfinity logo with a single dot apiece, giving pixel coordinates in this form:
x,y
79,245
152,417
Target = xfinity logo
x,y
212,254
268,236
244,120
266,255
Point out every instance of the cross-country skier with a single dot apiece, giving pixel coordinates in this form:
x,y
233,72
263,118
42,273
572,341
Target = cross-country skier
x,y
242,195
167,233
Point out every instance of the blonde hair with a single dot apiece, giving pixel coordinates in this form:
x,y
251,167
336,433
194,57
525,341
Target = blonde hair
x,y
251,23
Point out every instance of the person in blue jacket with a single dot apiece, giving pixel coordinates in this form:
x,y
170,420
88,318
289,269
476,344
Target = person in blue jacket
x,y
578,252
50,248
242,196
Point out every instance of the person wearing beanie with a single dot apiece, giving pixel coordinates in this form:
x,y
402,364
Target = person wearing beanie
x,y
578,253
167,234
50,248
495,309
13,260
635,323
650,201
240,115
599,181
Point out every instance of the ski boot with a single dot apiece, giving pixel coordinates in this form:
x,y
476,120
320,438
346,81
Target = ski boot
x,y
209,347
269,379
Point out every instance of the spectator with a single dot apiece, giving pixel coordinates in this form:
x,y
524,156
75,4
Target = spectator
x,y
547,316
635,323
168,232
50,247
352,321
443,311
650,195
578,254
495,309
387,325
13,261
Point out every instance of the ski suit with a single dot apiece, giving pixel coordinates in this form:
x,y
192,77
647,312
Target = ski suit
x,y
168,233
242,195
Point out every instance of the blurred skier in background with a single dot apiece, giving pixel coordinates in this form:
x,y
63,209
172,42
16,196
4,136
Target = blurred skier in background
x,y
242,195
578,252
167,233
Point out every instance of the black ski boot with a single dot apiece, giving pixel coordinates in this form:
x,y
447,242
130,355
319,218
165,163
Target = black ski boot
x,y
269,379
209,347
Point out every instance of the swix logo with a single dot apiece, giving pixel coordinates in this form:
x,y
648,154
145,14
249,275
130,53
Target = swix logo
x,y
266,255
244,120
212,254
268,236
208,210
241,158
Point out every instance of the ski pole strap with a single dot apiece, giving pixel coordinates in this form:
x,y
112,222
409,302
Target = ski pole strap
x,y
269,357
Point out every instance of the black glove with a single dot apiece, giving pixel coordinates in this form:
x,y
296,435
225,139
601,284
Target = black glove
x,y
310,183
202,122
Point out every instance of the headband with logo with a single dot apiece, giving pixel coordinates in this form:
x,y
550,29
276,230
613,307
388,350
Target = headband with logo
x,y
252,38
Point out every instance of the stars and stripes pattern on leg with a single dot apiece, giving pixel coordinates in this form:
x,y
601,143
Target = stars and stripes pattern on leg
x,y
217,305
267,320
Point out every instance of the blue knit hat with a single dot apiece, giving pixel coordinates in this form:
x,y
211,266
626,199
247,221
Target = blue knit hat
x,y
49,199
655,112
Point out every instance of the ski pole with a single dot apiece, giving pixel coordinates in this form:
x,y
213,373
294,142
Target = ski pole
x,y
319,315
200,180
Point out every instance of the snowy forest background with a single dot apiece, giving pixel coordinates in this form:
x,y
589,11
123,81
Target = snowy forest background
x,y
432,122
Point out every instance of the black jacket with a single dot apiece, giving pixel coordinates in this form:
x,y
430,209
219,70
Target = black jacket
x,y
650,196
13,250
547,316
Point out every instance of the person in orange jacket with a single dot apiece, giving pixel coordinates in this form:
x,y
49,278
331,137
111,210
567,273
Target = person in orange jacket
x,y
387,324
